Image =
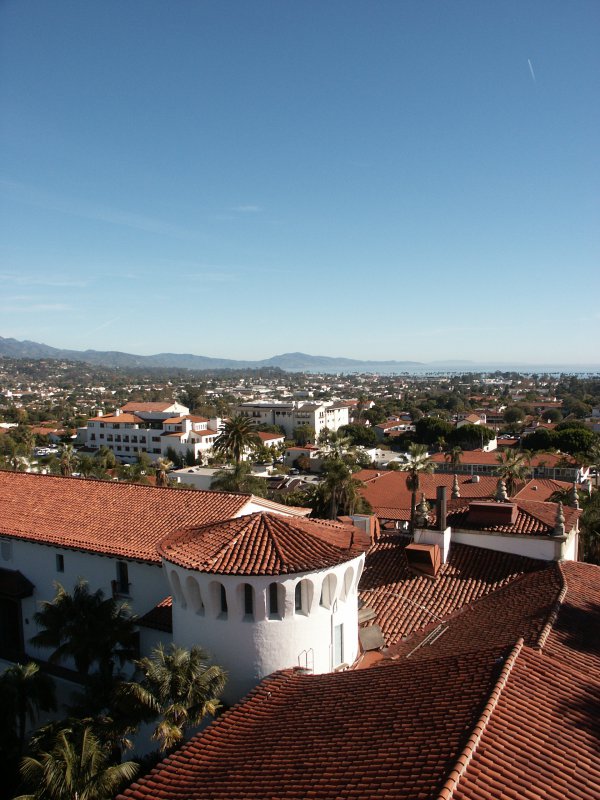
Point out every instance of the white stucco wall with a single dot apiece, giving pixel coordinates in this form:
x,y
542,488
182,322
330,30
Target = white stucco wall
x,y
37,562
249,648
546,548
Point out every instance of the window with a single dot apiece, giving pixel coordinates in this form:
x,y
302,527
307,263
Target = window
x,y
328,591
6,549
248,600
273,600
338,645
303,597
223,599
60,563
122,577
93,437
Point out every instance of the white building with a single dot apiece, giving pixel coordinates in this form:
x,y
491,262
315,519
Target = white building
x,y
152,428
144,544
295,414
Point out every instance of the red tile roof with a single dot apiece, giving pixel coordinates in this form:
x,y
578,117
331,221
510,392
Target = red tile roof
x,y
384,733
141,406
541,489
160,618
268,437
503,704
480,457
113,419
119,519
405,603
390,498
264,544
533,519
542,737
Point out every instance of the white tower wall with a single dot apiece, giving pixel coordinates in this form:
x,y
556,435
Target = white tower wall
x,y
321,636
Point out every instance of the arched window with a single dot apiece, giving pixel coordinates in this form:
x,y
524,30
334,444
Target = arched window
x,y
193,592
328,591
347,584
177,590
303,596
275,601
223,600
248,599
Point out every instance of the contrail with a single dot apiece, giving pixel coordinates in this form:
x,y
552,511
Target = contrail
x,y
531,70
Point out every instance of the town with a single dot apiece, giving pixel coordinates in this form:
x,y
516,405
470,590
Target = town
x,y
273,532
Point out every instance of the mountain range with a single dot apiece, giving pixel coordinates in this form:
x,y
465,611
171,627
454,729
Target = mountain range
x,y
289,362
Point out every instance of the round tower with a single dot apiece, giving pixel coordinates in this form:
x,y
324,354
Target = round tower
x,y
265,592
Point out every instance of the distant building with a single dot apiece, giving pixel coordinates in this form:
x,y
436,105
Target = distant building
x,y
152,428
296,414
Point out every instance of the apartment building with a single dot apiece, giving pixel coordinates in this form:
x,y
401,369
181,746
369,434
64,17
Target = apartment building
x,y
294,414
152,428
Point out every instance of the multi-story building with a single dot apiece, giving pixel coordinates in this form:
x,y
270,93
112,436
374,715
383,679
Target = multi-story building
x,y
152,428
296,414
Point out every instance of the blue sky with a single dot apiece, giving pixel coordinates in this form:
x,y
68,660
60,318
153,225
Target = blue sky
x,y
373,179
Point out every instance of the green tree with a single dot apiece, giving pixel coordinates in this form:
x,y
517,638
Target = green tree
x,y
237,435
513,466
304,434
575,440
360,435
429,429
68,460
239,478
419,464
24,692
514,414
540,439
338,492
179,686
77,767
86,627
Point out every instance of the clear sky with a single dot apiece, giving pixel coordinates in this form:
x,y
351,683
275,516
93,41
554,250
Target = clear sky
x,y
365,178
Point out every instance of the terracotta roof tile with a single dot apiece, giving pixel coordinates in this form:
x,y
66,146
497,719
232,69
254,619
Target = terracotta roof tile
x,y
390,498
160,618
533,518
405,603
385,733
119,519
541,740
264,544
134,405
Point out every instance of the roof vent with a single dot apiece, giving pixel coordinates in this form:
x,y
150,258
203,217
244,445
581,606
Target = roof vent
x,y
424,559
474,478
491,515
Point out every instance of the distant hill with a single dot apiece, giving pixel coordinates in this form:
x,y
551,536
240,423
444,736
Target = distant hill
x,y
290,362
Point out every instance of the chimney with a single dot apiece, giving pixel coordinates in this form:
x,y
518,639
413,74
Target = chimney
x,y
439,536
441,508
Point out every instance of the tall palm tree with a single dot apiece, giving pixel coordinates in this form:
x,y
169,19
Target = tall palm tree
x,y
87,627
338,492
77,767
180,686
237,434
420,464
68,459
163,465
24,692
513,466
453,457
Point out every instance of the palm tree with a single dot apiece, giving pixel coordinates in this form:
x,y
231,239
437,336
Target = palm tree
x,y
453,456
180,686
237,434
239,479
163,465
86,627
338,492
24,692
513,466
68,459
420,464
77,766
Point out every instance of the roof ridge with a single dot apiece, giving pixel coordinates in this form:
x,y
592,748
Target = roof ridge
x,y
275,539
553,615
469,749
